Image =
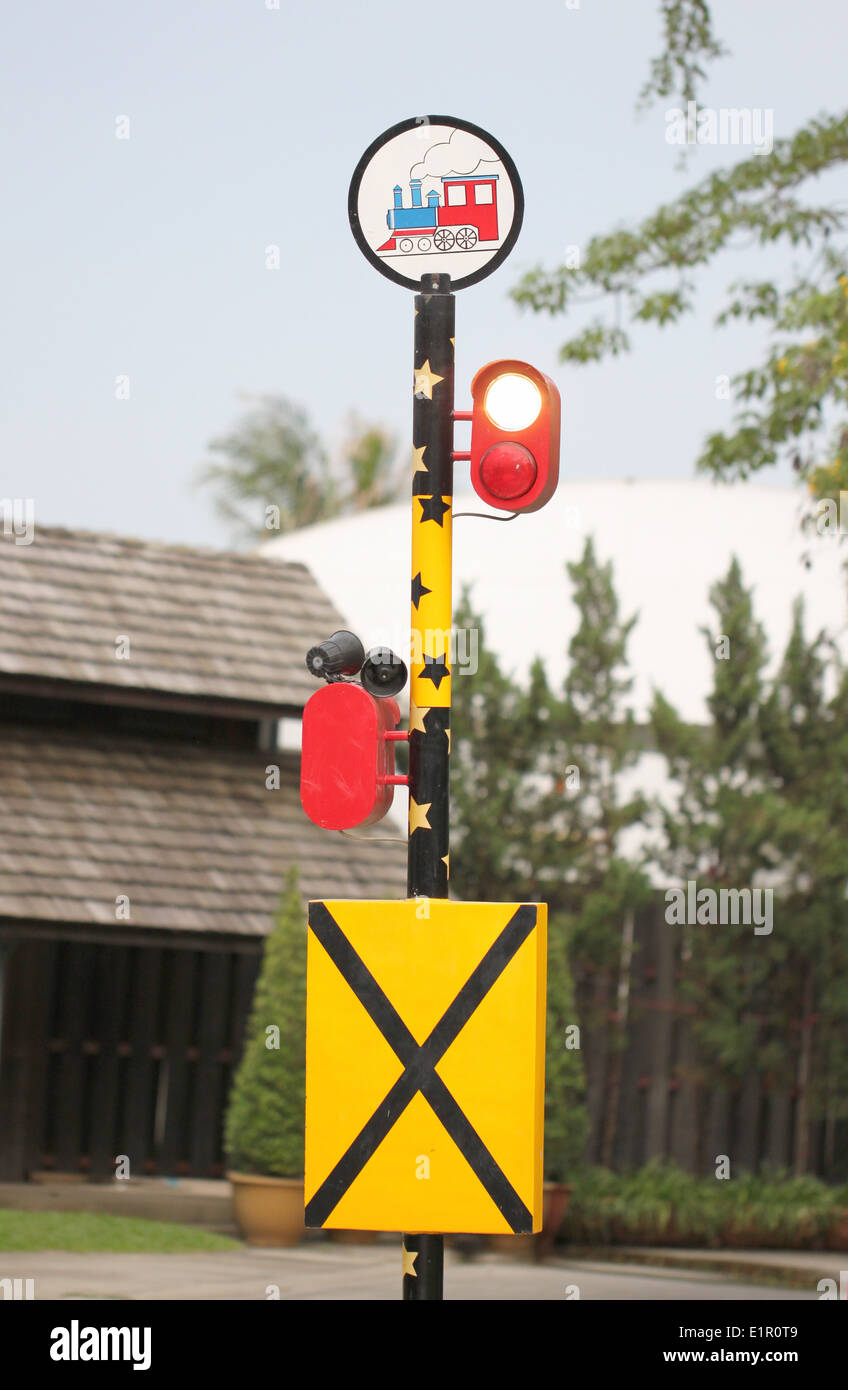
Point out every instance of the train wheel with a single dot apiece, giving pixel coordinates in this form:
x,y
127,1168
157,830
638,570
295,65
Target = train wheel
x,y
406,244
466,237
424,244
443,239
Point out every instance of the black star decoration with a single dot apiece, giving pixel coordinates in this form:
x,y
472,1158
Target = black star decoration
x,y
435,670
433,508
419,590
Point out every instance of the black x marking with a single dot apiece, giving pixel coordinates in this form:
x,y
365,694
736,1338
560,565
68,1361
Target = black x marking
x,y
419,1062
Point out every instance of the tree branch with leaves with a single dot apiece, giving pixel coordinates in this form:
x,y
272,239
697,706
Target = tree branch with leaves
x,y
793,406
272,472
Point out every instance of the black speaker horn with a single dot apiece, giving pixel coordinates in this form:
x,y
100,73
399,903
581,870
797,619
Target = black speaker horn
x,y
382,672
341,655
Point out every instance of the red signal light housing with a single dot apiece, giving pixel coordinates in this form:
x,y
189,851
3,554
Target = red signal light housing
x,y
515,465
348,756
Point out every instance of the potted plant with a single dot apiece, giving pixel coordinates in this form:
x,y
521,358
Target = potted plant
x,y
265,1116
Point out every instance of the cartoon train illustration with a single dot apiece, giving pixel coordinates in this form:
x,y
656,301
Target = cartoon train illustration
x,y
464,214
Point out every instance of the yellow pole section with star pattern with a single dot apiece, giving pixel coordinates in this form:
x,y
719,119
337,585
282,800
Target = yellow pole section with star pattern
x,y
430,654
431,611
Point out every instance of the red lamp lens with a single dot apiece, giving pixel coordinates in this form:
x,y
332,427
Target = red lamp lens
x,y
508,471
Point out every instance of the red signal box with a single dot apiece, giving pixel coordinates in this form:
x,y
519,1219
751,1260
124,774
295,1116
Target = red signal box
x,y
515,436
347,767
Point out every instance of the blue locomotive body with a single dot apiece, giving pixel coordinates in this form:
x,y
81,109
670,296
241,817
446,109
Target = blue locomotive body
x,y
417,217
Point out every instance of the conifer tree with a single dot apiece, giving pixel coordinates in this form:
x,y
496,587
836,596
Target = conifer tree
x,y
590,742
537,813
719,831
494,753
803,733
265,1116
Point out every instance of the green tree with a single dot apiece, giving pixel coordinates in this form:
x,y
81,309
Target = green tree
x,y
537,814
497,737
495,751
264,1130
370,459
689,41
590,742
792,404
272,473
758,798
719,830
804,734
566,1119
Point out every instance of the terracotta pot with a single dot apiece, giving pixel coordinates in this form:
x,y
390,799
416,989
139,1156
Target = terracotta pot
x,y
268,1211
555,1199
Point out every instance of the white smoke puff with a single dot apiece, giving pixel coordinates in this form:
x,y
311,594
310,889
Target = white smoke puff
x,y
460,156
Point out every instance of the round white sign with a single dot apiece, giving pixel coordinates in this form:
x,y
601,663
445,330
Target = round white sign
x,y
435,196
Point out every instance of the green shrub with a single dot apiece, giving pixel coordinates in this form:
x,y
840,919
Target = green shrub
x,y
661,1205
265,1116
783,1210
590,1217
566,1120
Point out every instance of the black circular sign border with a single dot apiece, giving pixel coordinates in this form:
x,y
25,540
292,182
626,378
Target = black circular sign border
x,y
387,135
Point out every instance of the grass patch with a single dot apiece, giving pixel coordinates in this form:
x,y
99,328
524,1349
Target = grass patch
x,y
89,1231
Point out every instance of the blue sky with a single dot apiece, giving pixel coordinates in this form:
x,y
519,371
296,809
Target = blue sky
x,y
146,256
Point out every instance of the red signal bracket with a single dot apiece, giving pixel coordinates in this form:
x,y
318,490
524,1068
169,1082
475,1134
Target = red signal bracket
x,y
462,415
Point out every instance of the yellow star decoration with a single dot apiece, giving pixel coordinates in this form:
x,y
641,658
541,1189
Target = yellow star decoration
x,y
418,815
418,456
446,862
425,380
447,731
409,1258
417,715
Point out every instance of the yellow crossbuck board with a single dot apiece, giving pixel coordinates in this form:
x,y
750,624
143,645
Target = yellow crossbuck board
x,y
425,1065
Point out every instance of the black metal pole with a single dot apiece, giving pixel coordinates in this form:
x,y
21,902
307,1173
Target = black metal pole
x,y
430,685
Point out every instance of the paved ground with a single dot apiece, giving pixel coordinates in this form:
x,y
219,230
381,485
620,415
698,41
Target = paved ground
x,y
327,1272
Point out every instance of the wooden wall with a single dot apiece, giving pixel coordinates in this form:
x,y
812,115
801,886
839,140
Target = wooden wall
x,y
661,1110
111,1050
130,1050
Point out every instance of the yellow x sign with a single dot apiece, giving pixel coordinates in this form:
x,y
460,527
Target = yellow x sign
x,y
425,1048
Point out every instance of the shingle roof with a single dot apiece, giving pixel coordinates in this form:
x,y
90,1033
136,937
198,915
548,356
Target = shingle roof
x,y
191,835
201,623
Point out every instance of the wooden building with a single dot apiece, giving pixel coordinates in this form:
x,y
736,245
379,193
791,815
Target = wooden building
x,y
143,839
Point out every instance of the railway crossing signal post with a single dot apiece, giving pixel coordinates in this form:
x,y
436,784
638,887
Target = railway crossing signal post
x,y
426,1018
430,690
